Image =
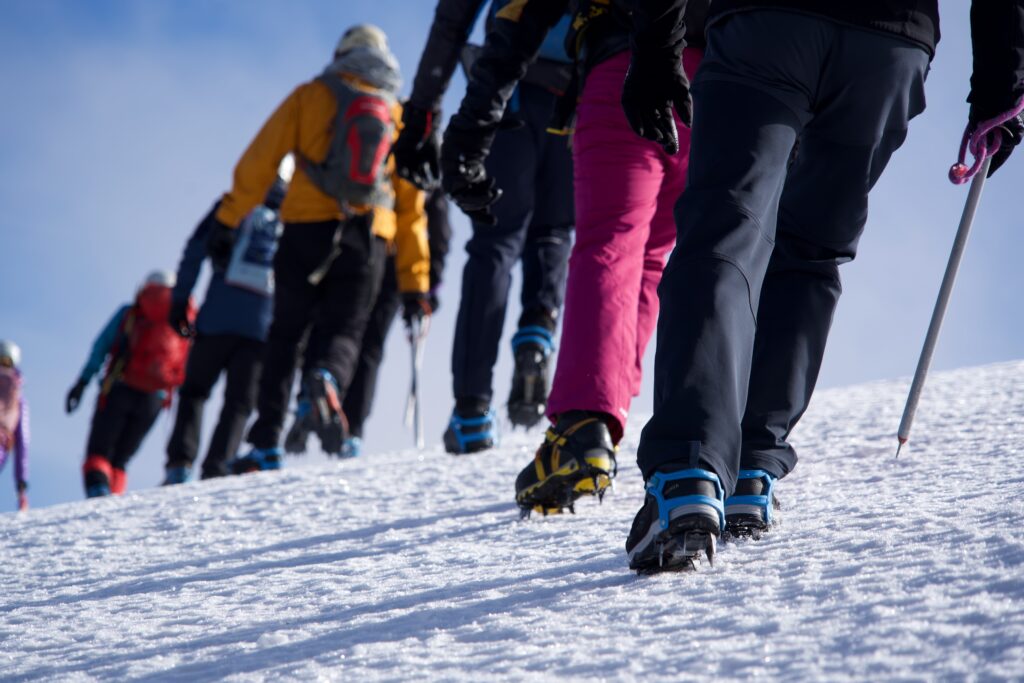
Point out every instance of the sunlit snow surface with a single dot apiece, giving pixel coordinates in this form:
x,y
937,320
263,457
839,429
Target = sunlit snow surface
x,y
415,567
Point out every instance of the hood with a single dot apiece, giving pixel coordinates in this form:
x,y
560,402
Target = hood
x,y
378,68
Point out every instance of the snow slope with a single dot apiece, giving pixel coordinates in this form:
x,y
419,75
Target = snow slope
x,y
414,566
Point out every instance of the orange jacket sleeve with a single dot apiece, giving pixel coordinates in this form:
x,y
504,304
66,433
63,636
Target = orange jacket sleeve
x,y
257,169
412,258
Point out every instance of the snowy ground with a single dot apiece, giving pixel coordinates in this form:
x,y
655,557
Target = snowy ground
x,y
407,566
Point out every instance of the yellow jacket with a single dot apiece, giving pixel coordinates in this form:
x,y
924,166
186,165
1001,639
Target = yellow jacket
x,y
304,123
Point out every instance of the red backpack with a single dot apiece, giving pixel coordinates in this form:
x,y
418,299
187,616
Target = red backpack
x,y
154,355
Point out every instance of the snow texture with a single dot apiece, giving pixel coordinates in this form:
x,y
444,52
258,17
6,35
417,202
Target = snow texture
x,y
415,566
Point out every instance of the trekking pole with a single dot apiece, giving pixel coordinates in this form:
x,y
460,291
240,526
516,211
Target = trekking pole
x,y
416,331
983,147
955,255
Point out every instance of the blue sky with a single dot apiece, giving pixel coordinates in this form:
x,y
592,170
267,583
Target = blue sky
x,y
122,121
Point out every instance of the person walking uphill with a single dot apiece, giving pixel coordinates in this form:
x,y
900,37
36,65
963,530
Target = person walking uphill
x,y
531,224
331,254
228,335
145,362
14,433
749,293
624,192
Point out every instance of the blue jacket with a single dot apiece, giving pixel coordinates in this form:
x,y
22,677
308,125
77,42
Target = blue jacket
x,y
226,309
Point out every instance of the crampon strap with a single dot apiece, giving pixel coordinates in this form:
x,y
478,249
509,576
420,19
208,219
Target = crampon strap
x,y
976,140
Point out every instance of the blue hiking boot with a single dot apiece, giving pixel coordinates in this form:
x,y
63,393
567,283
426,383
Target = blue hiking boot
x,y
298,434
258,460
682,517
469,433
532,345
176,474
352,448
749,511
97,490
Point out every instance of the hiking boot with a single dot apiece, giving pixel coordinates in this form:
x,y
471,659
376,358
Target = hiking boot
x,y
470,432
327,418
749,510
176,474
682,518
577,458
298,435
257,460
96,475
352,448
531,346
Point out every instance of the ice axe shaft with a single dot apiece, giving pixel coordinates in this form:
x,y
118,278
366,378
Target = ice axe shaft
x,y
948,280
416,331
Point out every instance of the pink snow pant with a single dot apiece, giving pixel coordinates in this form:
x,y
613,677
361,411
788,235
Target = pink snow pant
x,y
626,189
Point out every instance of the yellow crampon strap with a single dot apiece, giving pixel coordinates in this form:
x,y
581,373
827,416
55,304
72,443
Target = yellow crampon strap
x,y
557,441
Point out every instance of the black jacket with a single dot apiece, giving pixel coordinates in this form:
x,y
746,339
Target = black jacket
x,y
997,28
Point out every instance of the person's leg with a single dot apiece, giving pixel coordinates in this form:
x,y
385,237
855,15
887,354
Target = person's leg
x,y
345,303
359,397
301,250
872,88
207,357
750,103
549,236
108,421
493,251
663,235
618,178
145,408
243,375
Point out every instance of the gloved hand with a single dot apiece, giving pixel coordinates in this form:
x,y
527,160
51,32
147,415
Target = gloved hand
x,y
655,83
22,496
1013,132
463,176
415,305
219,244
418,150
178,319
75,396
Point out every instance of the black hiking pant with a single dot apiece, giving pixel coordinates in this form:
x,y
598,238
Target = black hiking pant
x,y
535,218
748,295
240,359
359,397
121,421
339,305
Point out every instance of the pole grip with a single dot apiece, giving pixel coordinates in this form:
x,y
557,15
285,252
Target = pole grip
x,y
942,301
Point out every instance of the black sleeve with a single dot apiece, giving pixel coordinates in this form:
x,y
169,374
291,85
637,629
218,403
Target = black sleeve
x,y
192,258
658,26
453,22
439,235
997,32
512,44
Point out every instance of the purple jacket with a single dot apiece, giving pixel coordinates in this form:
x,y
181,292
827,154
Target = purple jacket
x,y
19,448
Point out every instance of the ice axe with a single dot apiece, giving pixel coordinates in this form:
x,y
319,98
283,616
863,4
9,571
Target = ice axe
x,y
983,142
416,332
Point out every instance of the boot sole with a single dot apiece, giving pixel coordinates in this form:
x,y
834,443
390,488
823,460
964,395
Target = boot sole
x,y
328,419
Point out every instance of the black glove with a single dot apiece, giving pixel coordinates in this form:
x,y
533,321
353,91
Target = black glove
x,y
434,299
1013,131
415,305
463,175
220,242
178,319
655,83
418,149
75,396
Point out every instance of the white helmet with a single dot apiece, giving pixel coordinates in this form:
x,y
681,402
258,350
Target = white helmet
x,y
9,350
362,35
163,278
